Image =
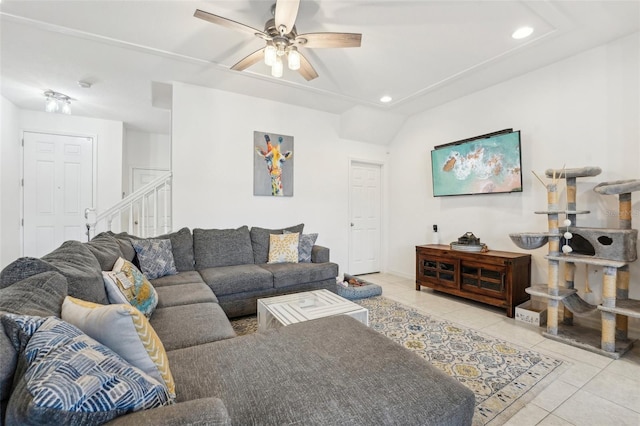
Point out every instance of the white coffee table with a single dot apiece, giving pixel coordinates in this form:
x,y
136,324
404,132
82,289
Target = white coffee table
x,y
279,311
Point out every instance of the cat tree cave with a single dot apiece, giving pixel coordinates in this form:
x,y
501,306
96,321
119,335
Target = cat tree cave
x,y
611,249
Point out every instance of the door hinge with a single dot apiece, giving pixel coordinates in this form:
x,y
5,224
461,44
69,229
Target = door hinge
x,y
22,140
22,222
21,182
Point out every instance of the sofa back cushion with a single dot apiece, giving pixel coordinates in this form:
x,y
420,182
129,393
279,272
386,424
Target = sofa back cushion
x,y
21,269
40,295
222,247
75,261
260,241
106,249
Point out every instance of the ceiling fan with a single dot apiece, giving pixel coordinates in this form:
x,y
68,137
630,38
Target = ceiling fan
x,y
282,39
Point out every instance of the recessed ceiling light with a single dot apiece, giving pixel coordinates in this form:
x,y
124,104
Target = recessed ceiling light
x,y
522,32
386,98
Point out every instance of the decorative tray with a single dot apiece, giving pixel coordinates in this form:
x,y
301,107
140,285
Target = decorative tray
x,y
468,247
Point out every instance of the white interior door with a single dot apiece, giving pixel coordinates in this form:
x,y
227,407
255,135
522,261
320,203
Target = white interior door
x,y
365,211
58,186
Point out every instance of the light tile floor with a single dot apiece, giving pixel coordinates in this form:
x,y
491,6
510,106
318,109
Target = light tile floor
x,y
595,390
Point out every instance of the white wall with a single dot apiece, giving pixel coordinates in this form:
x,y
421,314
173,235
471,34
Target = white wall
x,y
213,153
10,161
146,151
108,137
582,111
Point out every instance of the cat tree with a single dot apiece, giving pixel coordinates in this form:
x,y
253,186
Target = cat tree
x,y
611,249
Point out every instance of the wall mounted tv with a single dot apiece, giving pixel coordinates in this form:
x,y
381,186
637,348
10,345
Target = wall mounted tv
x,y
485,164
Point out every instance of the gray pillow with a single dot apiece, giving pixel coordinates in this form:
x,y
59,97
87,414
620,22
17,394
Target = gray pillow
x,y
106,249
75,261
260,241
305,245
124,241
222,247
181,247
39,295
155,257
21,269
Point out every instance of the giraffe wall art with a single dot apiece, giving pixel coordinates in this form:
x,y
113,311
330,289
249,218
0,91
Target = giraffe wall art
x,y
273,164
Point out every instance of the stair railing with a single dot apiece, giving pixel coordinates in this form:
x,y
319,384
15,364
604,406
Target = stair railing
x,y
145,212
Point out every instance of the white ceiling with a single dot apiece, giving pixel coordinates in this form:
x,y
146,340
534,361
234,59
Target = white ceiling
x,y
422,53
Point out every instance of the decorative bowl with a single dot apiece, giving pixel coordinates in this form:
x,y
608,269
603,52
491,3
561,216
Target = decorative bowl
x,y
529,240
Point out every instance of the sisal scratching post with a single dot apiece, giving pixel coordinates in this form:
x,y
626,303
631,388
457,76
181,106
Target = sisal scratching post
x,y
569,276
554,247
609,300
622,283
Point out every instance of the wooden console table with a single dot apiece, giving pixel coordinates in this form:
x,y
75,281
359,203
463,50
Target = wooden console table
x,y
497,278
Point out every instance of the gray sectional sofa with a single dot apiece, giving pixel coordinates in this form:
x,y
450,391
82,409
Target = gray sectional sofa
x,y
333,371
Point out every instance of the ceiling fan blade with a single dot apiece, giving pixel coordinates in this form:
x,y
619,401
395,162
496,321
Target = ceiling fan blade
x,y
249,60
306,69
324,40
285,15
215,19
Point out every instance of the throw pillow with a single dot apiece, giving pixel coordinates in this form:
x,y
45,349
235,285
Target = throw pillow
x,y
260,241
124,330
305,245
138,290
21,269
155,257
283,248
66,377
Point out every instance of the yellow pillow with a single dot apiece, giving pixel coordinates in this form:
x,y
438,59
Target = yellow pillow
x,y
124,330
283,248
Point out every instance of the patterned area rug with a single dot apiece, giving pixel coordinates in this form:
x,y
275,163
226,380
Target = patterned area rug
x,y
504,377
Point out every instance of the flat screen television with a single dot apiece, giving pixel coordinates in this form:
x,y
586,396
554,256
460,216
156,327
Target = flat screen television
x,y
485,164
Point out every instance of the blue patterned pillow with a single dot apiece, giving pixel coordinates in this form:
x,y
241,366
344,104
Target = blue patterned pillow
x,y
66,377
155,257
305,244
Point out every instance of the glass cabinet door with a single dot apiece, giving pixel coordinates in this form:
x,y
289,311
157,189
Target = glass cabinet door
x,y
440,271
484,279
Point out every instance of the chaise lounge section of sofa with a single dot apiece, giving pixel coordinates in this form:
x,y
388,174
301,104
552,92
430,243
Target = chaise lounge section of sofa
x,y
325,372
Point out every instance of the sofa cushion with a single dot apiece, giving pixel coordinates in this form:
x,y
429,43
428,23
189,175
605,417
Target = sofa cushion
x,y
323,370
283,248
199,412
237,279
184,294
39,295
287,274
222,247
139,292
21,269
65,377
155,257
123,329
260,241
187,277
189,325
181,246
124,242
75,261
106,249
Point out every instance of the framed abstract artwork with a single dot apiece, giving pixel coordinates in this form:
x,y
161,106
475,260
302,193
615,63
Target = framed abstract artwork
x,y
272,164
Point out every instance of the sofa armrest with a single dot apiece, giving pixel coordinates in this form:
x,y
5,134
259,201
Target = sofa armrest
x,y
204,411
319,254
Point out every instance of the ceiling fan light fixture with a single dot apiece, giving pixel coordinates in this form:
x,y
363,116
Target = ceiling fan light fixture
x,y
294,59
276,68
270,55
